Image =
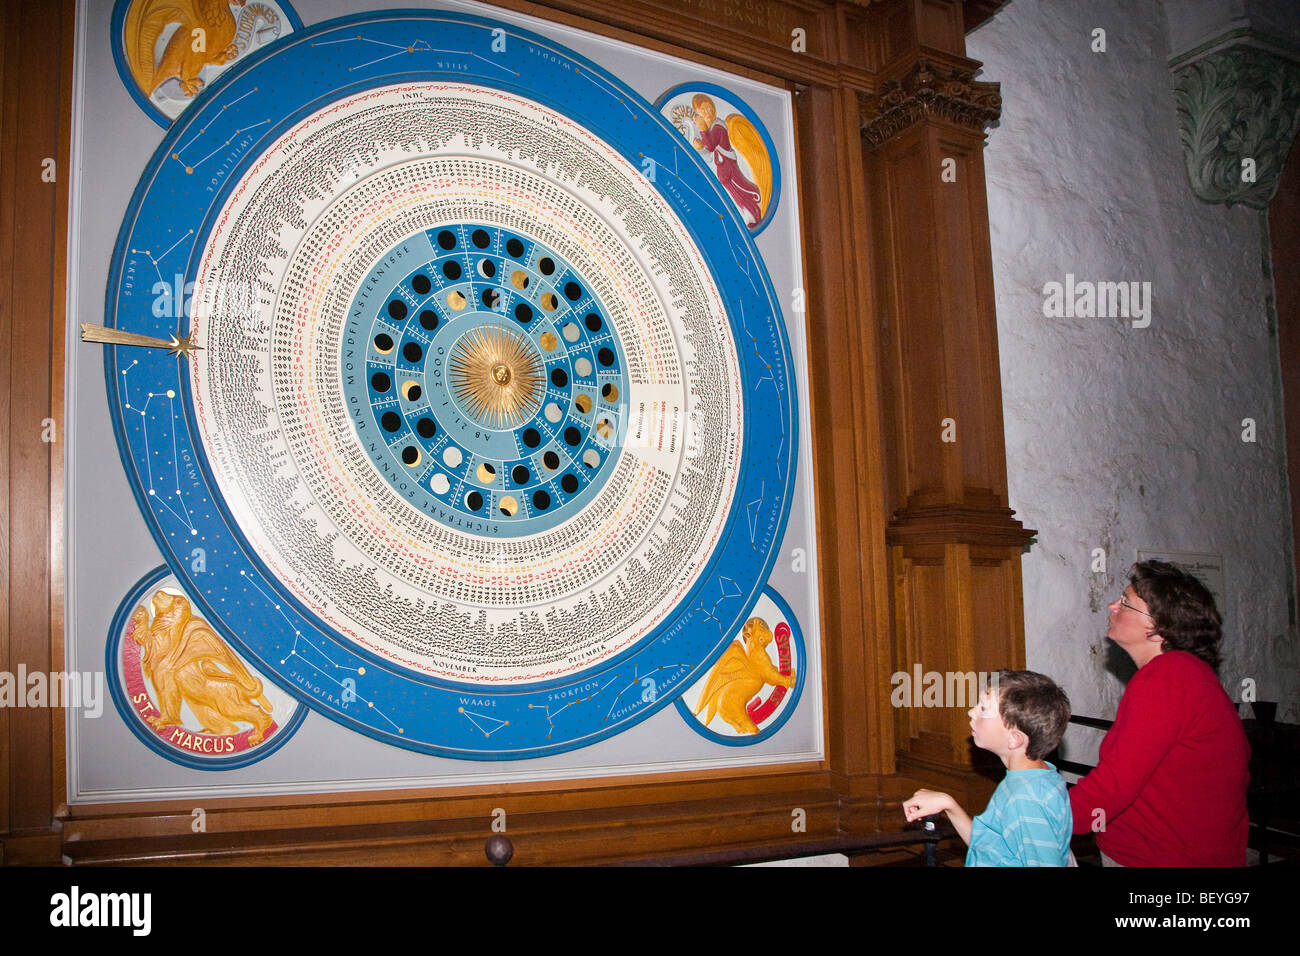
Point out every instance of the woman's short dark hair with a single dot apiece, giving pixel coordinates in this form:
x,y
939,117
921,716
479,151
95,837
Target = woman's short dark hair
x,y
1182,609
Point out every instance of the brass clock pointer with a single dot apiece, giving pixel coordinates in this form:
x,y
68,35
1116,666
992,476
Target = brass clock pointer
x,y
177,344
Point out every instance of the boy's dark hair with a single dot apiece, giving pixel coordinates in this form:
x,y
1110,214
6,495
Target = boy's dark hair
x,y
1182,609
1033,704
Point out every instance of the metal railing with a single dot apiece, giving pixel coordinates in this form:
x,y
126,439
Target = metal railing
x,y
499,849
1071,766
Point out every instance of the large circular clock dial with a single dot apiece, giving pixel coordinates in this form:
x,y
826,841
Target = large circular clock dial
x,y
488,441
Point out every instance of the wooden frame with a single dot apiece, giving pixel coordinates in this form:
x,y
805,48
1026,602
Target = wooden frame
x,y
891,499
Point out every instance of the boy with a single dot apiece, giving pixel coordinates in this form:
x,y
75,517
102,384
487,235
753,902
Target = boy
x,y
1021,718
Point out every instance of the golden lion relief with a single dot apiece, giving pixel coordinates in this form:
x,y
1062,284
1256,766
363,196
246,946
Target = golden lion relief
x,y
185,659
739,675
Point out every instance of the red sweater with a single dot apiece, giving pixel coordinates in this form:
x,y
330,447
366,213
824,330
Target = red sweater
x,y
1173,771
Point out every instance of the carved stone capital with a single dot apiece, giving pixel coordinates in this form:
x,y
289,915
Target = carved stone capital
x,y
1237,105
929,91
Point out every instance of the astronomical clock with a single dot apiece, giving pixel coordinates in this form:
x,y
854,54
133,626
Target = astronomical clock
x,y
441,405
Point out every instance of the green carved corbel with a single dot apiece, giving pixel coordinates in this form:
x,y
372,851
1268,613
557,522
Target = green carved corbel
x,y
1237,114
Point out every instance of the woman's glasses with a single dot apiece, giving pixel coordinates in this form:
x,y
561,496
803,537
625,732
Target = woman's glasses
x,y
1124,603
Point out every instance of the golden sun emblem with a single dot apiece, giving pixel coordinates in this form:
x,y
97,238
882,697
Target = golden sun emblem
x,y
496,376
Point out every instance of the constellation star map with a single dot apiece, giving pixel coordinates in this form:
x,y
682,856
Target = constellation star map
x,y
491,436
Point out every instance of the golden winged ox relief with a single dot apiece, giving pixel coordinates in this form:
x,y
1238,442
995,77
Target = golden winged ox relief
x,y
206,33
739,674
186,660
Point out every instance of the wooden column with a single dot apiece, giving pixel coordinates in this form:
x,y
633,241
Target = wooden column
x,y
35,91
954,545
844,392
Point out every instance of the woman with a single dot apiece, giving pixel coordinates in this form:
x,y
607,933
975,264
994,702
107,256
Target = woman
x,y
1170,788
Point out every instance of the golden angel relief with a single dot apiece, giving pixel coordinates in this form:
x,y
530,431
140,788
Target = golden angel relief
x,y
735,150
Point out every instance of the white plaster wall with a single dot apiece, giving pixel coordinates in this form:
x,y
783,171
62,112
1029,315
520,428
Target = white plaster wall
x,y
1118,437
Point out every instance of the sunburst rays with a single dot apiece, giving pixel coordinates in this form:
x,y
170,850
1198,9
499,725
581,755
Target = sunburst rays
x,y
497,376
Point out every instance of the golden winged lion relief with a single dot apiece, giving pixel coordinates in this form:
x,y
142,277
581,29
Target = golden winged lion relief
x,y
206,33
739,674
188,661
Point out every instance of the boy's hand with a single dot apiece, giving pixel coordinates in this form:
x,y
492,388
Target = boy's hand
x,y
925,802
